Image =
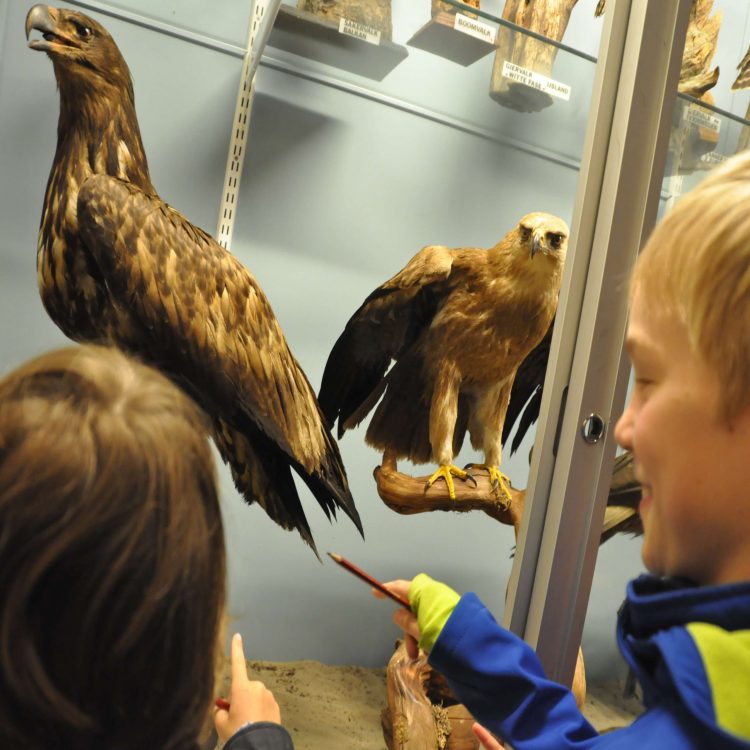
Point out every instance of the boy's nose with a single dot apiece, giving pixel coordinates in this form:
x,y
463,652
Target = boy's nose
x,y
624,429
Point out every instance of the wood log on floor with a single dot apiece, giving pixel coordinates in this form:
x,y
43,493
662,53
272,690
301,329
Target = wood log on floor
x,y
421,713
547,17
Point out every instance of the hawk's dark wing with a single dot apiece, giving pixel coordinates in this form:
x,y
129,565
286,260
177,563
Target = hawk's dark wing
x,y
387,323
527,392
621,515
188,306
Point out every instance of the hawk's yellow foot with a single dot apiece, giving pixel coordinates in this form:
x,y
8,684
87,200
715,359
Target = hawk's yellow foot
x,y
447,472
498,480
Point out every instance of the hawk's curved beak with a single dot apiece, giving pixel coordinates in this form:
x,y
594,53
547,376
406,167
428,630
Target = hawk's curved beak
x,y
536,243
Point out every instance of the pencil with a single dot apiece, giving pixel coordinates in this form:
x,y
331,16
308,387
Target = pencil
x,y
354,570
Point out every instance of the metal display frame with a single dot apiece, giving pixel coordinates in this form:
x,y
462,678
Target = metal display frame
x,y
616,205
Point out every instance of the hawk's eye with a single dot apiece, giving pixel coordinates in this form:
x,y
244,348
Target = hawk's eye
x,y
525,233
555,240
84,32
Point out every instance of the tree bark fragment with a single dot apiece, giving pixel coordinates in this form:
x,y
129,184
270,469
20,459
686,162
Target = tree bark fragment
x,y
547,17
373,13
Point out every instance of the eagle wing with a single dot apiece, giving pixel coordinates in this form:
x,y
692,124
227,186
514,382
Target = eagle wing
x,y
387,323
188,306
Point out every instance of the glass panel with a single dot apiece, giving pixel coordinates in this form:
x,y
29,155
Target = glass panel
x,y
702,137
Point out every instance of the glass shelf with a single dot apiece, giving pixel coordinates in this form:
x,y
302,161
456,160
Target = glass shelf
x,y
702,137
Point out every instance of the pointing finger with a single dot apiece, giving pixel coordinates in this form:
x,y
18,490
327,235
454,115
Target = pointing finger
x,y
239,668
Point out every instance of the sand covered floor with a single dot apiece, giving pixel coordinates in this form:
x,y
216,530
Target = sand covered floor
x,y
328,707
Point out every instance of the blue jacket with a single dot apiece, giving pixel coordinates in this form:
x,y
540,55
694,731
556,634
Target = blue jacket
x,y
689,647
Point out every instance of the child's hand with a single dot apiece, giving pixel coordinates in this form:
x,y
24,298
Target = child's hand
x,y
407,621
486,740
249,700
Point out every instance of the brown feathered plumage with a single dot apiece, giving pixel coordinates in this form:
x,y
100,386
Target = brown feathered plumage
x,y
458,323
117,264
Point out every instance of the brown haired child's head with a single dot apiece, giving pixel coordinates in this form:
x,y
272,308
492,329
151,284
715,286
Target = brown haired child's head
x,y
112,556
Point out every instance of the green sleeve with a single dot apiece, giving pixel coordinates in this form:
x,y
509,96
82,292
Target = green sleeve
x,y
432,602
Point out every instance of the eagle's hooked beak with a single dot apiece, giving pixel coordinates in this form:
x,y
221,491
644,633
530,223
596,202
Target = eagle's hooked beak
x,y
44,19
536,243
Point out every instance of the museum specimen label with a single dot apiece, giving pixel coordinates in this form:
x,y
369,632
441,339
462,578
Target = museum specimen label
x,y
359,30
475,28
536,80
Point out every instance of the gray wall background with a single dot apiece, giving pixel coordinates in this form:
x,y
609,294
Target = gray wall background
x,y
345,180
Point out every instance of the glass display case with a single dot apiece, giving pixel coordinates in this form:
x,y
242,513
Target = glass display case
x,y
361,152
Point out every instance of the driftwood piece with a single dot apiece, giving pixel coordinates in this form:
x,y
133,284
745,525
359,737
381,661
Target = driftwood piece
x,y
547,17
696,74
373,13
421,713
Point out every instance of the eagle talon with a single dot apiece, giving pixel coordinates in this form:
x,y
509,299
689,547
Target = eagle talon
x,y
447,472
498,481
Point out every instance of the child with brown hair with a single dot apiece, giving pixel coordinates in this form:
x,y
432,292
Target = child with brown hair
x,y
684,629
113,565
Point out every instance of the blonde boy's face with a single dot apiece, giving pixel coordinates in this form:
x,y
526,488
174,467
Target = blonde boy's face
x,y
693,467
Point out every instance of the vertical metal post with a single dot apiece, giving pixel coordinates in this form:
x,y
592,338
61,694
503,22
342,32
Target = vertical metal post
x,y
615,208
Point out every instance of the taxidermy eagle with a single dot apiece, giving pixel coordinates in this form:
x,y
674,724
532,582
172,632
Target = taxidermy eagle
x,y
458,323
116,264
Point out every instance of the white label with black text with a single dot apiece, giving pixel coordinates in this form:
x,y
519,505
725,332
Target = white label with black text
x,y
475,28
695,115
359,31
713,158
536,80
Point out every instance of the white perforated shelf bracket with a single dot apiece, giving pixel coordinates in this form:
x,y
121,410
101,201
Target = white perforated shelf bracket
x,y
262,16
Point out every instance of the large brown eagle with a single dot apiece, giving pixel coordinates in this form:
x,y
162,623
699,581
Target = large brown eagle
x,y
458,323
116,264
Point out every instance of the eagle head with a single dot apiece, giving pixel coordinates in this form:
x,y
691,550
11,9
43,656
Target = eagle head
x,y
81,50
544,233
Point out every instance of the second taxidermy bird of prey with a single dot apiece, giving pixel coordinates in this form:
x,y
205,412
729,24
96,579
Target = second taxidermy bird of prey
x,y
116,264
458,323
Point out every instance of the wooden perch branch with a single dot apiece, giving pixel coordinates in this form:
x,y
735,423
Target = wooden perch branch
x,y
407,495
